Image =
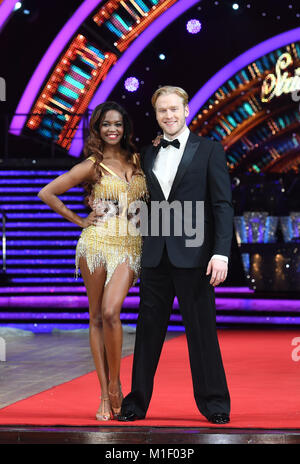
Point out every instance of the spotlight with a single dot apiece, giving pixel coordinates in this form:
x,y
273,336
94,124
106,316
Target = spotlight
x,y
235,6
131,84
162,56
193,26
26,12
18,5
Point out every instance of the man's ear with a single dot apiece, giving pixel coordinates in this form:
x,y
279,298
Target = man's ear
x,y
186,110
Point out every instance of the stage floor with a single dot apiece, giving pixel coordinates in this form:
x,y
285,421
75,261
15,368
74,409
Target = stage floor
x,y
38,362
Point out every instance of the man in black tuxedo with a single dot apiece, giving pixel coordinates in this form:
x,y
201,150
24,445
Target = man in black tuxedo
x,y
185,169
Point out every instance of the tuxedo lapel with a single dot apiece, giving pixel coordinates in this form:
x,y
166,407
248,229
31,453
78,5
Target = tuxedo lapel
x,y
188,154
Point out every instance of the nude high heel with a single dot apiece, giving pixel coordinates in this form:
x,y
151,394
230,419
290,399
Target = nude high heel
x,y
116,410
103,414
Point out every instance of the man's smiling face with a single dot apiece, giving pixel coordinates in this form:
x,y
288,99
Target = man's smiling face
x,y
171,114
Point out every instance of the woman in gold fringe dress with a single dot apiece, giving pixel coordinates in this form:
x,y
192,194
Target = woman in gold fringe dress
x,y
109,248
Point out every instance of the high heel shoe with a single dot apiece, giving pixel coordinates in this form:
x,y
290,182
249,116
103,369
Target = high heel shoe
x,y
103,414
116,410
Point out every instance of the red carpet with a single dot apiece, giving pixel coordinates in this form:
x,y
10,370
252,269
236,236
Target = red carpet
x,y
263,378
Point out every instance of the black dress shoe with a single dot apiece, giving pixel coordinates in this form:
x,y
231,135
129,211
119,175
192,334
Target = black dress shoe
x,y
219,418
129,416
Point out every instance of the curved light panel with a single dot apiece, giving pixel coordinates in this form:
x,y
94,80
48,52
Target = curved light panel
x,y
129,56
236,65
6,8
47,62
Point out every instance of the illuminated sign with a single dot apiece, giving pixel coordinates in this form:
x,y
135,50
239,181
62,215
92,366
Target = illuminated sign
x,y
280,83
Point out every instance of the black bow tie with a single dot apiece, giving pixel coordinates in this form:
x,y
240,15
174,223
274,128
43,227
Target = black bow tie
x,y
165,143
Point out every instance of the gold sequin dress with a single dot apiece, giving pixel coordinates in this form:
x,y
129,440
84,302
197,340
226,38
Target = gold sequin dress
x,y
115,239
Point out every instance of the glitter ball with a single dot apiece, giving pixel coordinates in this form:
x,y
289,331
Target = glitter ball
x,y
131,84
193,26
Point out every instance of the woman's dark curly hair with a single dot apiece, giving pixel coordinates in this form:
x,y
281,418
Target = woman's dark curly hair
x,y
94,144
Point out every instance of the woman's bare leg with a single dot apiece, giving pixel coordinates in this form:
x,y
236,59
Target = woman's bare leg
x,y
94,284
113,297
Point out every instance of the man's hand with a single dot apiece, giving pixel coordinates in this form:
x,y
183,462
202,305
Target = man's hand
x,y
218,270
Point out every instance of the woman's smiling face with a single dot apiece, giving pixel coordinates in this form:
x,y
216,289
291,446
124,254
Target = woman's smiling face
x,y
112,128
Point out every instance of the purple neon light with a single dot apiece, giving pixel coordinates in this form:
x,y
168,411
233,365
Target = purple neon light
x,y
35,215
22,243
39,272
72,289
18,198
23,181
43,225
52,233
33,190
129,56
251,306
37,207
37,261
6,9
229,320
48,60
40,289
255,320
48,328
62,252
208,89
30,173
46,280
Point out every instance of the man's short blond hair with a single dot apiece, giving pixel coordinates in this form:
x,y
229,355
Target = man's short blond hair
x,y
167,90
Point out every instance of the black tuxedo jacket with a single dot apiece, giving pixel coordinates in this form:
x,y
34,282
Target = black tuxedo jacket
x,y
202,175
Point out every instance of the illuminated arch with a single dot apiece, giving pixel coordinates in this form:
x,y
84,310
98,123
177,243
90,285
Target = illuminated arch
x,y
129,56
46,63
259,134
6,8
238,63
132,42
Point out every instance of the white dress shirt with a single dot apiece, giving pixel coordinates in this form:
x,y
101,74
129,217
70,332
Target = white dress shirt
x,y
166,165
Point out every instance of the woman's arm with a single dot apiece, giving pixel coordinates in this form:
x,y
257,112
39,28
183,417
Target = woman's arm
x,y
49,194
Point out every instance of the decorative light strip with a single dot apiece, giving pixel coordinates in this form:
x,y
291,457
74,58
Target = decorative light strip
x,y
33,189
41,225
37,207
19,181
65,97
47,62
45,280
36,262
25,173
23,243
128,57
6,8
39,271
48,328
34,199
41,233
126,19
254,53
28,252
36,215
72,289
65,133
